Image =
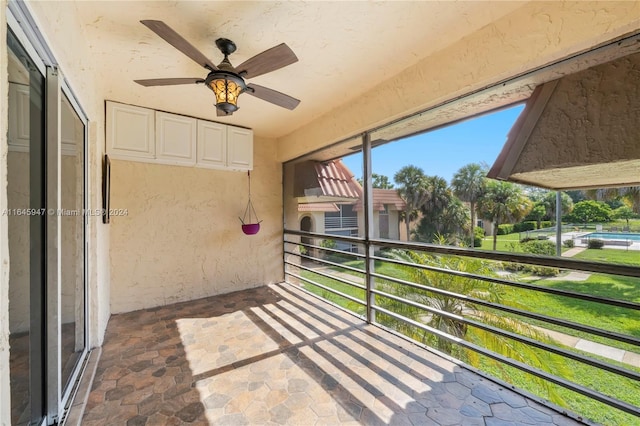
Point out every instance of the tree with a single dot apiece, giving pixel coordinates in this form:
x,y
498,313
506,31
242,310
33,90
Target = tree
x,y
468,184
503,202
413,189
624,213
630,195
549,202
591,211
537,213
379,181
443,215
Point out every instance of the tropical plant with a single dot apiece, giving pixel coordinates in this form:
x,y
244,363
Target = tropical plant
x,y
468,184
442,213
549,202
413,189
503,202
446,310
478,235
630,195
537,213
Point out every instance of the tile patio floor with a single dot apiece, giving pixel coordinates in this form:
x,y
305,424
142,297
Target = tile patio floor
x,y
275,355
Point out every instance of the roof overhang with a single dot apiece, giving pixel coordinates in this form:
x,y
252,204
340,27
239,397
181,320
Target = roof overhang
x,y
580,131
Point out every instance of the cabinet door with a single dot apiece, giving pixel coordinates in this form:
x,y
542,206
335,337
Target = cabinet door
x,y
175,139
212,145
18,132
130,132
239,148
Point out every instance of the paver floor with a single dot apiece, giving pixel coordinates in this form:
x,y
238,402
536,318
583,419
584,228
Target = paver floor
x,y
275,355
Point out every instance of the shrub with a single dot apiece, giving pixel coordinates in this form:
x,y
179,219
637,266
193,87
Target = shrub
x,y
505,229
478,235
527,239
545,224
539,247
543,247
524,226
568,243
595,244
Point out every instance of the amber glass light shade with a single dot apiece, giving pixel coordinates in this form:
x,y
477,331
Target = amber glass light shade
x,y
226,88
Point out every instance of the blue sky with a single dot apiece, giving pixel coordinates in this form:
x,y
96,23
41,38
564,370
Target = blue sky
x,y
442,152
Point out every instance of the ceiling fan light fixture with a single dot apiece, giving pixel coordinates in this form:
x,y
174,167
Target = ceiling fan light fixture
x,y
226,87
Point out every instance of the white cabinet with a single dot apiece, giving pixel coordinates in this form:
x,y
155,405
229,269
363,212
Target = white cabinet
x,y
130,132
212,145
224,147
239,148
142,134
175,139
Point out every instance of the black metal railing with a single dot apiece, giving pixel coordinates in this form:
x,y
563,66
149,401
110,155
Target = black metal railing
x,y
384,296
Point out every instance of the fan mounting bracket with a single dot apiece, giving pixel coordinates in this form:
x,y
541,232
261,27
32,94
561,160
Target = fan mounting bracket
x,y
226,46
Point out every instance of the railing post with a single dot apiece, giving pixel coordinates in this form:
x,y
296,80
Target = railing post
x,y
558,223
368,225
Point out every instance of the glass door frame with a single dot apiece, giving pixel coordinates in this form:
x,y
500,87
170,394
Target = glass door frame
x,y
55,399
67,394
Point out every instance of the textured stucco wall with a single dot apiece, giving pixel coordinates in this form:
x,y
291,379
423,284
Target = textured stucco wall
x,y
591,118
531,36
60,24
5,399
181,238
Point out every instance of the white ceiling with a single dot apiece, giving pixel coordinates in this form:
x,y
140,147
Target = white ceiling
x,y
344,49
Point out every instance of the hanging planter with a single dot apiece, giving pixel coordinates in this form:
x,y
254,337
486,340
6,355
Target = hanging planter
x,y
250,221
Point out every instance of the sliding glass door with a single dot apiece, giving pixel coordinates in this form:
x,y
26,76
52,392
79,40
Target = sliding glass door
x,y
72,249
26,211
47,218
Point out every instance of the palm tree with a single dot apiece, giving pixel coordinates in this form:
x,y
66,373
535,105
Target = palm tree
x,y
461,307
444,214
630,194
549,202
413,189
468,184
503,202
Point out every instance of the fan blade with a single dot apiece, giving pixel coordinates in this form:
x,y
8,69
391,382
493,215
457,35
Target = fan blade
x,y
168,81
267,61
273,96
177,41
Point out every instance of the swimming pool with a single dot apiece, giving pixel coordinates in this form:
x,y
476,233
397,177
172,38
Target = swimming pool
x,y
613,236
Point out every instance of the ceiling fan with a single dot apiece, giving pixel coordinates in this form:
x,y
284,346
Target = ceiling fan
x,y
225,80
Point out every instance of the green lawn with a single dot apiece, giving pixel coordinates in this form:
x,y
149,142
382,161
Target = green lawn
x,y
618,256
504,242
581,311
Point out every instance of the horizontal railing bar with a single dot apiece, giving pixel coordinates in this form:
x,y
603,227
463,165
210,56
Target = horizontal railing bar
x,y
621,405
555,262
514,336
348,253
326,262
565,293
329,289
342,280
356,240
568,324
